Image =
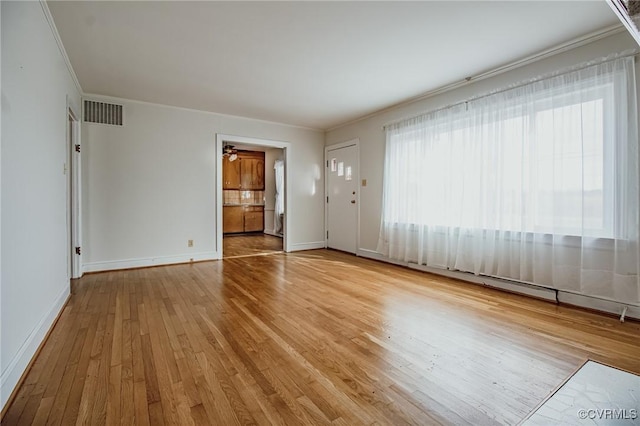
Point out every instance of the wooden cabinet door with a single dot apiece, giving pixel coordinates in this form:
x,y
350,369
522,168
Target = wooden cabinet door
x,y
258,175
254,220
230,173
252,176
232,219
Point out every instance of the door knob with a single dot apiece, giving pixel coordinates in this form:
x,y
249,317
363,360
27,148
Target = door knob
x,y
353,201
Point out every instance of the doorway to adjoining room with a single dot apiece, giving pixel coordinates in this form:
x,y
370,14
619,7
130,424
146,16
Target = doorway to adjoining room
x,y
253,199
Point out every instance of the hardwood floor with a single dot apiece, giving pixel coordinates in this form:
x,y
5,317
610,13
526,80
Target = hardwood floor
x,y
250,245
317,337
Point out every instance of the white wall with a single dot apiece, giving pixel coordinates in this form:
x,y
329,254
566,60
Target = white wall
x,y
372,141
34,283
271,155
150,185
372,136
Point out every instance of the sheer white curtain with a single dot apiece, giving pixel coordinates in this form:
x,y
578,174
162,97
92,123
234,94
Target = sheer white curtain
x,y
537,183
279,207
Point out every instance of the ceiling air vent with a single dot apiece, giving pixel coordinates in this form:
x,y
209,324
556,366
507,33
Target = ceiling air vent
x,y
103,113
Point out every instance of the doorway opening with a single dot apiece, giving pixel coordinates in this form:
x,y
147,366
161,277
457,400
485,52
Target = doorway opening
x,y
72,172
252,199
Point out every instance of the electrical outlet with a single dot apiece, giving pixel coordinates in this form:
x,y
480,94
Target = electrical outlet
x,y
189,243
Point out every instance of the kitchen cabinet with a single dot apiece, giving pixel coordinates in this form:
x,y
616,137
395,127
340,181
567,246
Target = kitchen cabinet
x,y
240,218
253,219
230,173
246,172
252,173
232,219
243,179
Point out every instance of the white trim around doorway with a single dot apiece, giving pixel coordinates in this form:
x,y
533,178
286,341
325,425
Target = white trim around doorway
x,y
74,168
267,143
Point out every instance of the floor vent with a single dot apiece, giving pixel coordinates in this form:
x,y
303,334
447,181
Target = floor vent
x,y
103,113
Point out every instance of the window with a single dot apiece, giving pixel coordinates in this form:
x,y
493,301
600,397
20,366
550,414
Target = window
x,y
503,185
545,168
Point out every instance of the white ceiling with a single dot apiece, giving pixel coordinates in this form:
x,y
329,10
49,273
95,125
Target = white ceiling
x,y
312,64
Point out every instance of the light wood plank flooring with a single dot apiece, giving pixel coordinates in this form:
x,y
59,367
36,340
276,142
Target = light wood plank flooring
x,y
250,245
318,337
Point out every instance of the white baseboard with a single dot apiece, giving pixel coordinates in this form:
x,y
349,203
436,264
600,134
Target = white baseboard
x,y
598,304
307,246
546,293
111,265
272,232
370,254
12,373
502,284
528,289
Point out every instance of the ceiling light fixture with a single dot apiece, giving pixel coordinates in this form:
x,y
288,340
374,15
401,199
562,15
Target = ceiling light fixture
x,y
230,151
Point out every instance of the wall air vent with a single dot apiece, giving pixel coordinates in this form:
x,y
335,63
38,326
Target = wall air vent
x,y
103,113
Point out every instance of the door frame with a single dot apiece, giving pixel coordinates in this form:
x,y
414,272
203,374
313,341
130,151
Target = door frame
x,y
221,138
73,189
351,142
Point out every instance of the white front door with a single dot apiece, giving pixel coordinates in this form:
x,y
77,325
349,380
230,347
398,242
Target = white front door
x,y
342,197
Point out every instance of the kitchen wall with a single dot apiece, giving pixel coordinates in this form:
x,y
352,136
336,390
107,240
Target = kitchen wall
x,y
271,155
34,285
150,185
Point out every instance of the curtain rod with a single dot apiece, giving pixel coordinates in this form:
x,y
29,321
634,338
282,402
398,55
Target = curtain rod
x,y
624,54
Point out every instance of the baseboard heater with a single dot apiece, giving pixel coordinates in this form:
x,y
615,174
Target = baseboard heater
x,y
499,283
624,310
545,293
